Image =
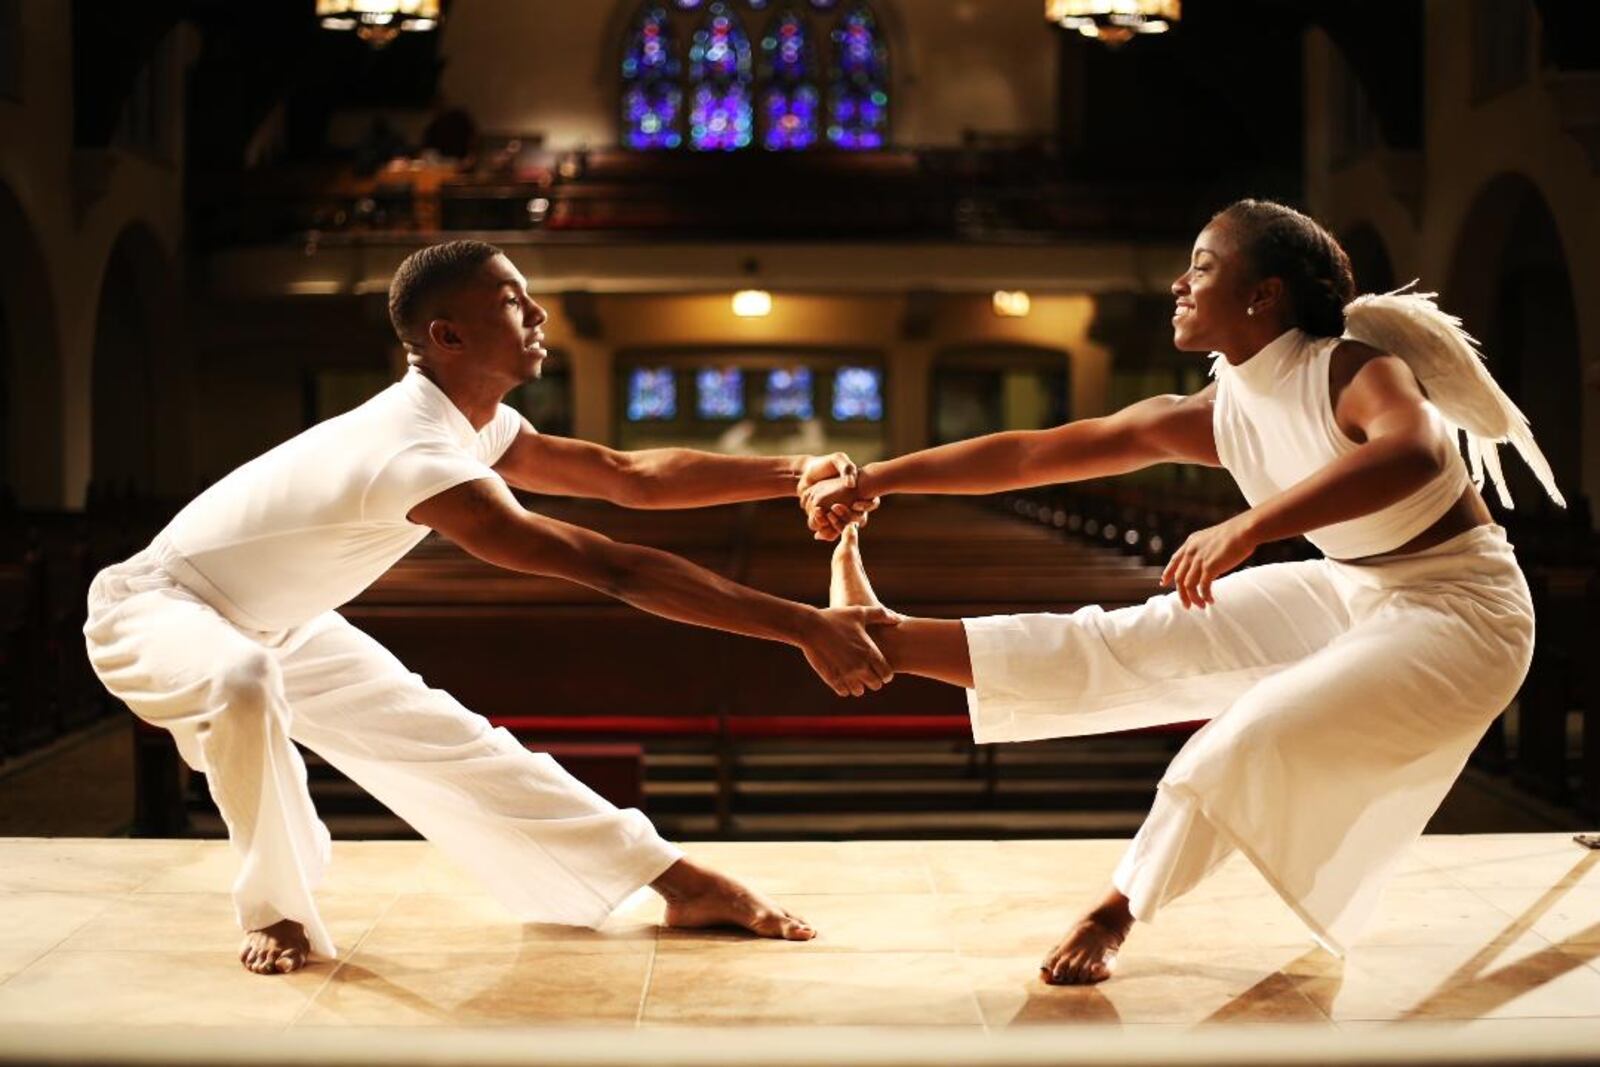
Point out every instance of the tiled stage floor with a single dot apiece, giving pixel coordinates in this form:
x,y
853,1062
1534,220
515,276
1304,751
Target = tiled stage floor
x,y
948,933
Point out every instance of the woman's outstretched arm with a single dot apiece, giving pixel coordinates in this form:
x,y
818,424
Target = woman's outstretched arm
x,y
1161,429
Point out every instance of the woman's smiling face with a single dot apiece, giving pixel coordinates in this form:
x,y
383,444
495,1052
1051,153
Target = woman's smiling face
x,y
1212,296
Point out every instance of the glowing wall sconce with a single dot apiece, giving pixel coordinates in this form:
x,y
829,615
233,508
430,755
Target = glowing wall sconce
x,y
752,303
1011,303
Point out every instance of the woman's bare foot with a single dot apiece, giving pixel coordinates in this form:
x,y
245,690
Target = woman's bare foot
x,y
848,586
697,896
1088,953
276,949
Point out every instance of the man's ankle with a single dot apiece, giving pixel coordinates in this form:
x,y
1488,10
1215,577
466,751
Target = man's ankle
x,y
683,879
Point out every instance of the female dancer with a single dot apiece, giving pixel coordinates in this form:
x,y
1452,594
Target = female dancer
x,y
1345,693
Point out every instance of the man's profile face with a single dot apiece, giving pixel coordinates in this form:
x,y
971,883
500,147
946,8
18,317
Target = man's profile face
x,y
497,325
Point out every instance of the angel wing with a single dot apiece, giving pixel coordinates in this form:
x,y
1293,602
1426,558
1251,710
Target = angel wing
x,y
1446,360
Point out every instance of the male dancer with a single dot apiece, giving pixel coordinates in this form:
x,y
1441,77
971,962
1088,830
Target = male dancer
x,y
224,630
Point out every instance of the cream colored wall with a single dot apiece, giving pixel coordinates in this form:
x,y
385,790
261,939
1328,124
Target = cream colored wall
x,y
76,231
1466,146
520,66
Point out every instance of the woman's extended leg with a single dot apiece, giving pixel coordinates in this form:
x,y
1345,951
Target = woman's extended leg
x,y
1094,671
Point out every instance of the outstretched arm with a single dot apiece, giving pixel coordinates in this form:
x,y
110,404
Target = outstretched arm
x,y
485,519
1161,429
1401,451
657,477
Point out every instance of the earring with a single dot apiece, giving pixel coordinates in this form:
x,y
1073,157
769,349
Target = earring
x,y
1249,311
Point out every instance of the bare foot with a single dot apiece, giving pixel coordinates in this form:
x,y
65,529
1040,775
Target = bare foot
x,y
697,896
1088,954
276,949
849,586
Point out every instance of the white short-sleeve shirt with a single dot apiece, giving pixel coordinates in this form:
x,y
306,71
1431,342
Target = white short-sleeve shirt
x,y
304,528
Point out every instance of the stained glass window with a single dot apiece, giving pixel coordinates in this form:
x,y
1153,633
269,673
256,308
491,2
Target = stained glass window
x,y
788,394
858,394
790,103
719,393
787,75
652,99
652,394
719,70
858,100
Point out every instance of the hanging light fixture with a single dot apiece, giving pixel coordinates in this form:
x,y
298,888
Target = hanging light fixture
x,y
1115,22
379,22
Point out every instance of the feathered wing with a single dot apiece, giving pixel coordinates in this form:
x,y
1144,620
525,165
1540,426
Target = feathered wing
x,y
1446,360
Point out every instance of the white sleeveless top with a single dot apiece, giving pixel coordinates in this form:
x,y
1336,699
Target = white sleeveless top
x,y
1274,426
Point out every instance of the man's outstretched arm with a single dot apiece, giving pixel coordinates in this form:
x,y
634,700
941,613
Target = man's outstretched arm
x,y
485,519
658,477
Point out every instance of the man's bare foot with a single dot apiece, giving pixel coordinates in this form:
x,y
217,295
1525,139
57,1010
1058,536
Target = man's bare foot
x,y
697,896
276,949
1088,953
848,586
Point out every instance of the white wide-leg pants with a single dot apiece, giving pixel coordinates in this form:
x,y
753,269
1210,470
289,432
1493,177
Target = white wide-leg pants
x,y
1344,700
235,700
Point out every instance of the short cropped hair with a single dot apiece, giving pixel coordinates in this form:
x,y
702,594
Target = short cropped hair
x,y
424,273
1280,242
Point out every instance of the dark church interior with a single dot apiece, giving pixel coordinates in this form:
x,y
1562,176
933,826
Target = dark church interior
x,y
879,226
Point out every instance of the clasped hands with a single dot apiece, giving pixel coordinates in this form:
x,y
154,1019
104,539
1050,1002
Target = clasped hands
x,y
840,646
827,494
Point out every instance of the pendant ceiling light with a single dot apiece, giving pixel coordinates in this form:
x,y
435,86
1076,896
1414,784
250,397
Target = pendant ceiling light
x,y
1114,22
378,22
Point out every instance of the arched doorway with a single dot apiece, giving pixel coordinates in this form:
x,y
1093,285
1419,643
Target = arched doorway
x,y
136,392
1510,284
1369,259
30,365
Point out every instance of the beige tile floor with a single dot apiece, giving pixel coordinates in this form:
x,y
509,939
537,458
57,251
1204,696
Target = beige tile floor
x,y
1476,931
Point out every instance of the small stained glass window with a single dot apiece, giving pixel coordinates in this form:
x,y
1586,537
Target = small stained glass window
x,y
652,98
720,111
858,100
719,393
788,394
652,395
858,394
790,103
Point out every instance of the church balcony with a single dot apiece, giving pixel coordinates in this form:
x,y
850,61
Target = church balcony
x,y
946,218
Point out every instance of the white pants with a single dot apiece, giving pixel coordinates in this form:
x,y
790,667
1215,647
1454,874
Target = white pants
x,y
1344,700
548,847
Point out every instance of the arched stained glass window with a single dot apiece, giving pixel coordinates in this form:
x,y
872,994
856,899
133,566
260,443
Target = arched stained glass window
x,y
858,100
720,77
652,98
790,103
787,75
